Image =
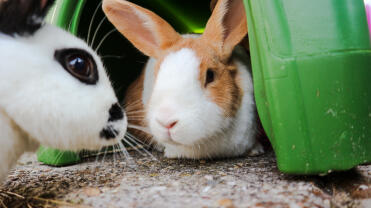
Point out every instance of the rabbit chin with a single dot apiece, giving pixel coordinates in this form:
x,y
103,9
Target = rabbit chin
x,y
198,135
219,146
236,138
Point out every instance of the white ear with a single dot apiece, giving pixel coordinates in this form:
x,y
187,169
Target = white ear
x,y
227,26
145,30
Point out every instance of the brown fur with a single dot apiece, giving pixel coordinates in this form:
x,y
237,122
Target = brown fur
x,y
226,27
151,41
225,91
135,109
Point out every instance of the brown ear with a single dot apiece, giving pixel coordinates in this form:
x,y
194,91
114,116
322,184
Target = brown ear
x,y
144,29
213,4
227,26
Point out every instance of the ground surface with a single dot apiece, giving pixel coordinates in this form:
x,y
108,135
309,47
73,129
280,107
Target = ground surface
x,y
243,182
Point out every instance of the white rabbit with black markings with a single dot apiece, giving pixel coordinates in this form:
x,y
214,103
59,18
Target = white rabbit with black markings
x,y
54,89
196,92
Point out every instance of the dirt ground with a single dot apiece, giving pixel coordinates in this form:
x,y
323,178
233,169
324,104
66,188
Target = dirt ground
x,y
113,181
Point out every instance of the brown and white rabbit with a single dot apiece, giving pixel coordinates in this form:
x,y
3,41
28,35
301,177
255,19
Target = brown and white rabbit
x,y
54,89
196,92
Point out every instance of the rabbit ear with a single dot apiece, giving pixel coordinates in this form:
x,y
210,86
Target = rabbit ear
x,y
213,4
227,26
22,16
145,30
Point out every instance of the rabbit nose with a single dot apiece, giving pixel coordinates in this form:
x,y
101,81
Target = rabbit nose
x,y
115,113
169,125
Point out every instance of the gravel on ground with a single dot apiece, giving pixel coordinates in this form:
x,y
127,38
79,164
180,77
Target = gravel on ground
x,y
115,181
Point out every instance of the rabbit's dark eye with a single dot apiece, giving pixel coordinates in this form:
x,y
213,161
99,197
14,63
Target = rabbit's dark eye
x,y
79,64
210,76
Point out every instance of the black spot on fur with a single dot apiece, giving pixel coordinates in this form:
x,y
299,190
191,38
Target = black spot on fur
x,y
108,133
115,113
22,17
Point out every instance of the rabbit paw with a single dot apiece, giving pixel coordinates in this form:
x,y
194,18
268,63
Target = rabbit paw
x,y
256,150
159,147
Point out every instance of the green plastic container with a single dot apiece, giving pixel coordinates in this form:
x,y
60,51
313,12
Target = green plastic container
x,y
117,53
312,68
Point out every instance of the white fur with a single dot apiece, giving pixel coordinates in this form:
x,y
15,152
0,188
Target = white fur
x,y
202,130
149,80
149,76
41,103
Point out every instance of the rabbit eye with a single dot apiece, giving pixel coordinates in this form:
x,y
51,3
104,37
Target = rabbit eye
x,y
210,76
79,64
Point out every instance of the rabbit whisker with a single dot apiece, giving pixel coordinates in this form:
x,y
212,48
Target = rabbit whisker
x,y
141,118
133,103
127,141
69,26
136,139
112,56
96,31
128,158
135,107
119,151
144,149
104,155
97,156
104,38
135,119
135,115
92,20
59,156
114,156
134,110
131,126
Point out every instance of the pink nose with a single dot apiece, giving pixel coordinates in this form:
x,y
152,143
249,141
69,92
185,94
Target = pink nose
x,y
171,125
168,125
